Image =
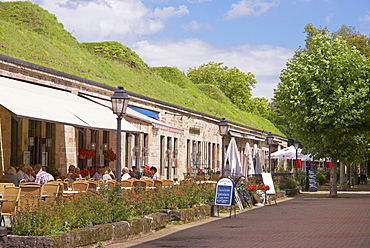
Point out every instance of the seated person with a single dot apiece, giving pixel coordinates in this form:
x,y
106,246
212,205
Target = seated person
x,y
76,174
98,174
125,175
136,173
10,174
42,177
153,173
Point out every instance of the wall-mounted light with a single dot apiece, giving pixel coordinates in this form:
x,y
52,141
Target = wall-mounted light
x,y
93,146
104,147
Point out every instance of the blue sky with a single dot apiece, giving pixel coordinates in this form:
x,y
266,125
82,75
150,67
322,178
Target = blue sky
x,y
256,36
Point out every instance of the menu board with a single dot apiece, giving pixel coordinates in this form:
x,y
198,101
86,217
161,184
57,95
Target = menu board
x,y
224,192
312,183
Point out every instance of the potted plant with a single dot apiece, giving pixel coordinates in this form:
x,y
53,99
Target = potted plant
x,y
110,155
85,153
289,185
258,191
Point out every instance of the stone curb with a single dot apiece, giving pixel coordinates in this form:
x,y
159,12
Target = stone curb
x,y
123,230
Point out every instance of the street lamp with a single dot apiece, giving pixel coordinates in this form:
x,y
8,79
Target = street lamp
x,y
224,130
120,101
270,139
296,145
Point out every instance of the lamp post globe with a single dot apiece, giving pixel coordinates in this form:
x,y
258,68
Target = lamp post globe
x,y
120,102
224,130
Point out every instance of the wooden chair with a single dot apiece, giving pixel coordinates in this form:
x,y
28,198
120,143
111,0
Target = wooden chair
x,y
32,184
168,183
52,191
3,185
4,180
139,185
149,182
11,194
22,181
126,183
112,184
92,185
30,195
80,186
158,184
59,180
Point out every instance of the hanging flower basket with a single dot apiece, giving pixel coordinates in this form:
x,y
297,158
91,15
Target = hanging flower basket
x,y
110,155
85,153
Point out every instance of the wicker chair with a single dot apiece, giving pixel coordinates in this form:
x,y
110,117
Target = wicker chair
x,y
30,195
80,186
126,183
139,185
52,190
168,183
11,194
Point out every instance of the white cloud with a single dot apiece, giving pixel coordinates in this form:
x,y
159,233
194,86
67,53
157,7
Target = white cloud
x,y
196,26
264,61
99,20
250,8
366,18
328,18
171,11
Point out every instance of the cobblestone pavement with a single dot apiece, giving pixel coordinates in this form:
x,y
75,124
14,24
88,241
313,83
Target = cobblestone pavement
x,y
307,220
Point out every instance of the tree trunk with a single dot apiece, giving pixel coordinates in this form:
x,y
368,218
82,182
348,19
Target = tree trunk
x,y
342,179
333,179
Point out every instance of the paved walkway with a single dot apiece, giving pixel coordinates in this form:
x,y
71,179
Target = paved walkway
x,y
307,220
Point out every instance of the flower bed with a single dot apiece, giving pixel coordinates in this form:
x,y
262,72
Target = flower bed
x,y
90,209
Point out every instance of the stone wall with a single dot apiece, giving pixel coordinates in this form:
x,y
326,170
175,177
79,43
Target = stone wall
x,y
108,233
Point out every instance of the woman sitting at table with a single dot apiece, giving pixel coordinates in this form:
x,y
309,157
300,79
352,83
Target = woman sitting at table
x,y
71,170
10,174
106,175
76,174
30,174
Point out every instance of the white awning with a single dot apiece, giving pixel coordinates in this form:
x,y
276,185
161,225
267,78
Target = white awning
x,y
240,134
26,100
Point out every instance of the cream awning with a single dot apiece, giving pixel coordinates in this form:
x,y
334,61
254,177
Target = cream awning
x,y
30,101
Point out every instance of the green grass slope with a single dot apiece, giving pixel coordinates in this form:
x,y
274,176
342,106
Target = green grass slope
x,y
32,34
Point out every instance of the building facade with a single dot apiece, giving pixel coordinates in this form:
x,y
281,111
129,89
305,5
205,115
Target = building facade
x,y
46,116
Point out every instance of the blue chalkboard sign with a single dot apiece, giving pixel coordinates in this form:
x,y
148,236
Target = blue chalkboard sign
x,y
224,192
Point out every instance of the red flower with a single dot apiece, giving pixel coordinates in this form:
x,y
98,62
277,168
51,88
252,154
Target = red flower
x,y
110,155
86,153
258,187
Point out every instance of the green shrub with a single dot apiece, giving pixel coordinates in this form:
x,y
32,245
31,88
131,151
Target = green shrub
x,y
288,183
105,206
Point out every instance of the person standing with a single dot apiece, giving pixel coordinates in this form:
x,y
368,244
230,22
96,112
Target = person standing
x,y
42,177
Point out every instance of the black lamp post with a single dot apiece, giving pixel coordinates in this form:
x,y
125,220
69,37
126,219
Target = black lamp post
x,y
224,130
270,139
296,145
120,101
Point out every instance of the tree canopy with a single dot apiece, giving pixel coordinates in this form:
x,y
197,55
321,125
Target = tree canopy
x,y
325,96
235,84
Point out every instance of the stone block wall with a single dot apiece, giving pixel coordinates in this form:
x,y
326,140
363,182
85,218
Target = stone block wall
x,y
108,233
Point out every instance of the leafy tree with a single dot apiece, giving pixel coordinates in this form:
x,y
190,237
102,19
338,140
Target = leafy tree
x,y
354,39
236,85
324,94
348,33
